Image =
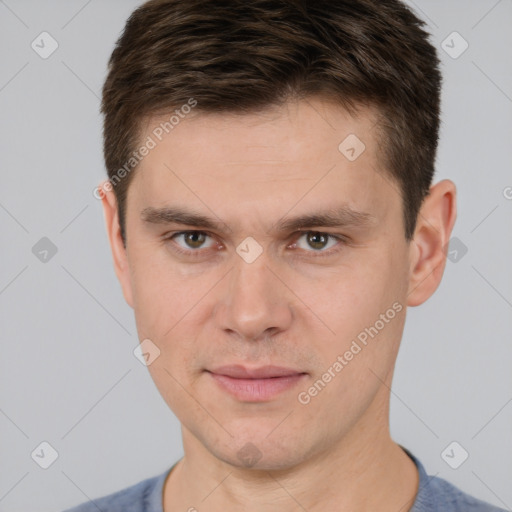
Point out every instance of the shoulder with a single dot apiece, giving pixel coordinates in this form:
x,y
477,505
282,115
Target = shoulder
x,y
438,495
447,496
145,496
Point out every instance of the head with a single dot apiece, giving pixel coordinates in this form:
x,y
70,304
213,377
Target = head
x,y
269,203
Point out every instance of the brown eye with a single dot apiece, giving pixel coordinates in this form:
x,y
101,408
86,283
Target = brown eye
x,y
317,240
317,243
191,241
194,239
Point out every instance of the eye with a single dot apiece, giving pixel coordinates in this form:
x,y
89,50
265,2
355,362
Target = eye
x,y
318,241
195,242
191,240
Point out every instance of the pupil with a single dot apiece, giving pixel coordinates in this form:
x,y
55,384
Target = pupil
x,y
314,238
195,239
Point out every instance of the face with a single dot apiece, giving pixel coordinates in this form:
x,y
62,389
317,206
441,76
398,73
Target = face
x,y
269,268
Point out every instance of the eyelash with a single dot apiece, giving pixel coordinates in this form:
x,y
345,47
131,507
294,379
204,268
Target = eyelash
x,y
316,254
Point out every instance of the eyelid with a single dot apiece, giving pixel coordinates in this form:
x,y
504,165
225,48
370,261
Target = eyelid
x,y
342,240
296,236
174,234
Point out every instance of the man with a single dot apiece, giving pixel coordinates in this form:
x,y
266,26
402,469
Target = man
x,y
271,215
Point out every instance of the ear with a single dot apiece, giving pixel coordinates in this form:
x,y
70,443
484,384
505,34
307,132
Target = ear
x,y
429,245
119,252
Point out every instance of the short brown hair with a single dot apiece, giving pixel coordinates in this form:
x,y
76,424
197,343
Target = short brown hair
x,y
246,55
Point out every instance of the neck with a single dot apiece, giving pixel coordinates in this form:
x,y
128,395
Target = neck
x,y
337,478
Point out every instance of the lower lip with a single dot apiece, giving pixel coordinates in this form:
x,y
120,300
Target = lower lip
x,y
257,390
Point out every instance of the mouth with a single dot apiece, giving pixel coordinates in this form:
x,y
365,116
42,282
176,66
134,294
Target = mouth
x,y
255,384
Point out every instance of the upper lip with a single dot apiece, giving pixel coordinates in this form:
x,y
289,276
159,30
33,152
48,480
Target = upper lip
x,y
237,371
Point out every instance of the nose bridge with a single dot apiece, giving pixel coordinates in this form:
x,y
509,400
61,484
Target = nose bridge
x,y
254,303
251,280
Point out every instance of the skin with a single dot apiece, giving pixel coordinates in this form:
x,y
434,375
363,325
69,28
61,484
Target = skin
x,y
299,305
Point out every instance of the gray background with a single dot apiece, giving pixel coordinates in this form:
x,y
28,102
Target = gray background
x,y
68,373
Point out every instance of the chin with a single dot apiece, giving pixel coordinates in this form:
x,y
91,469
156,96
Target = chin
x,y
261,453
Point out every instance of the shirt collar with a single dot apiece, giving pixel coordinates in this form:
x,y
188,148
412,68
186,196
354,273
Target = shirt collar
x,y
423,502
425,499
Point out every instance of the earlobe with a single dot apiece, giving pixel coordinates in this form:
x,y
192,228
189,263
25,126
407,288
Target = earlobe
x,y
429,245
119,253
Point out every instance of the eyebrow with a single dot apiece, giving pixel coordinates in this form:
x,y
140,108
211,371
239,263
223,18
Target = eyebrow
x,y
342,216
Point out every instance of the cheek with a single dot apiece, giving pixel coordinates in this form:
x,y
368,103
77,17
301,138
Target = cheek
x,y
362,311
176,391
162,292
351,297
170,309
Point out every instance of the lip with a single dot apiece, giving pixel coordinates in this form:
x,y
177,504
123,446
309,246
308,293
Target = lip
x,y
255,384
238,371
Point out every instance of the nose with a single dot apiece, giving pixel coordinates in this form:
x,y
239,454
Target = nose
x,y
254,304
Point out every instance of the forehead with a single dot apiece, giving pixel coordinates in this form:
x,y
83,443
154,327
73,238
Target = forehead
x,y
293,130
300,153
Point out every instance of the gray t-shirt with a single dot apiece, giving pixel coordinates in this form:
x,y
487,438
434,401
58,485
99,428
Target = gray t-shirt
x,y
434,495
